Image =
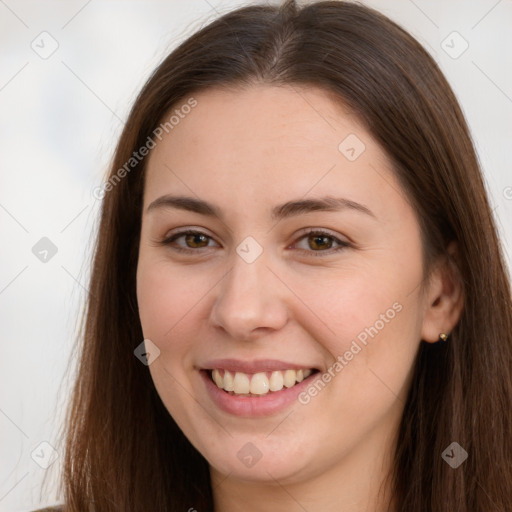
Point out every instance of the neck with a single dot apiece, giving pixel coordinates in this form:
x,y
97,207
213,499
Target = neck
x,y
358,483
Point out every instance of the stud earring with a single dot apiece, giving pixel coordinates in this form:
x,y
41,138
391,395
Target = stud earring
x,y
443,336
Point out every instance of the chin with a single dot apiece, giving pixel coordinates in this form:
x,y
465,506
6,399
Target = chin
x,y
258,460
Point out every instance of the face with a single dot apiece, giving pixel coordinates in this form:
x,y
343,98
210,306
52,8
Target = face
x,y
299,283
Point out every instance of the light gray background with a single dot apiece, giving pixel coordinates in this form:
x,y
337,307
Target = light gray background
x,y
60,119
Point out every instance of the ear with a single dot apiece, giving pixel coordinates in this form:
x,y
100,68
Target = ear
x,y
444,297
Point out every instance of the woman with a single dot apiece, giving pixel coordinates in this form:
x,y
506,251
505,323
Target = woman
x,y
298,298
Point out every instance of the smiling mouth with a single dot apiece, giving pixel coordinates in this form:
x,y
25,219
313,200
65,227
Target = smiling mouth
x,y
258,384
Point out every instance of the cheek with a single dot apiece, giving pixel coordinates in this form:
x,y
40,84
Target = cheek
x,y
352,304
368,321
168,300
165,297
369,332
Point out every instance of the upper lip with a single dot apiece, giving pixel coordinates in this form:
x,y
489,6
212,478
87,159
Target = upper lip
x,y
254,366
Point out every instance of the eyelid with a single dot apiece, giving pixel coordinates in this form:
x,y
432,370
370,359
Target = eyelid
x,y
342,244
183,232
324,231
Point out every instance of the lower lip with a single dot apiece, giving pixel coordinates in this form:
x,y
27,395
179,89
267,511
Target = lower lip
x,y
271,403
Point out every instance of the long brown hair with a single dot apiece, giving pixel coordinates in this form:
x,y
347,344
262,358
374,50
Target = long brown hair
x,y
124,451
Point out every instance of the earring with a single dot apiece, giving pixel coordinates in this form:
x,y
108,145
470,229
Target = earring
x,y
443,336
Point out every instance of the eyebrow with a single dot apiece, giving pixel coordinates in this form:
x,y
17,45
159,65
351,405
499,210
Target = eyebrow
x,y
279,212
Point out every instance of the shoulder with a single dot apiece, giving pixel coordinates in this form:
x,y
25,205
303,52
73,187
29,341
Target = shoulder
x,y
55,508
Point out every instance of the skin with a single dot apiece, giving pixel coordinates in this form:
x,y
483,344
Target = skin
x,y
246,151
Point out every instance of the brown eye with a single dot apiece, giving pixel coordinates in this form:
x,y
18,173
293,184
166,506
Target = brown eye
x,y
321,243
196,240
193,240
317,242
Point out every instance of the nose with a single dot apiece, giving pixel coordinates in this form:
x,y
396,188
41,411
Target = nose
x,y
251,301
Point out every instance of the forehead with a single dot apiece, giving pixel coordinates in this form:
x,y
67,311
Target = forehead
x,y
266,143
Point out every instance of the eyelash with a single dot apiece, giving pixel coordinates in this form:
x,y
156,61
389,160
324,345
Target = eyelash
x,y
341,244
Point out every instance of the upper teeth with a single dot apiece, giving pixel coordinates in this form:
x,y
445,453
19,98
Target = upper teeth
x,y
258,383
